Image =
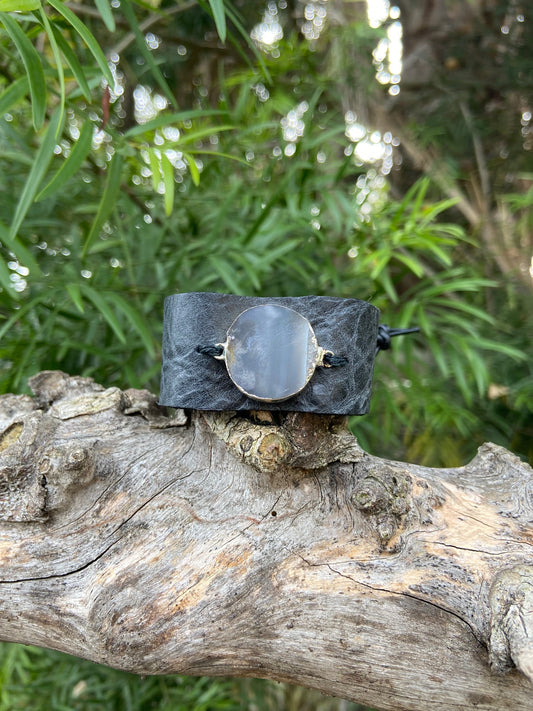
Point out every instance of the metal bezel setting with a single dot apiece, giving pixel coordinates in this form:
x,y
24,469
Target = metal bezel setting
x,y
317,359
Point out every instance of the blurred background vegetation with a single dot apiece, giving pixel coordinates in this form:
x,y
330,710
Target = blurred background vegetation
x,y
375,150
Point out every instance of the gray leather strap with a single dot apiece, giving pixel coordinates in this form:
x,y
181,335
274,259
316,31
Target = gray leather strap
x,y
190,379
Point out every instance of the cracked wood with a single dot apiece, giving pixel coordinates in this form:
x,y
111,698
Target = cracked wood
x,y
263,545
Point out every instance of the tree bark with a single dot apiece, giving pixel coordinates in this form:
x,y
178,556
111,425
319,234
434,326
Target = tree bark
x,y
216,544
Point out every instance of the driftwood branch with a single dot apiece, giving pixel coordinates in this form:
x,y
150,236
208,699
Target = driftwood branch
x,y
226,545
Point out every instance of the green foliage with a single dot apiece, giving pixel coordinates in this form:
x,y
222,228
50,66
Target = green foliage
x,y
33,67
408,256
219,15
41,680
215,197
37,680
86,36
103,214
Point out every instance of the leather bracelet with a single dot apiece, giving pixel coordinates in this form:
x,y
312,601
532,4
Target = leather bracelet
x,y
303,354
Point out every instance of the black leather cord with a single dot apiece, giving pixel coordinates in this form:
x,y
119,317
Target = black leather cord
x,y
330,359
334,361
211,350
385,333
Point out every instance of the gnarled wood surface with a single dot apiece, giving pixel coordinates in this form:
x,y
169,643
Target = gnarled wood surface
x,y
224,545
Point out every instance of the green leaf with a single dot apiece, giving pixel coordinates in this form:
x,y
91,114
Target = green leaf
x,y
388,286
243,98
18,315
406,314
423,321
452,321
478,368
136,320
443,256
72,61
437,353
276,253
415,205
236,20
104,8
410,262
219,16
466,308
14,93
225,272
379,261
401,207
194,136
87,37
72,163
33,66
195,173
154,167
107,203
22,253
430,213
16,157
220,154
168,119
19,5
57,56
507,350
250,269
39,167
143,49
168,180
104,245
5,279
75,294
460,284
104,309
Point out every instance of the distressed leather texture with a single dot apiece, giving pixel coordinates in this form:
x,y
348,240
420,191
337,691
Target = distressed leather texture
x,y
192,380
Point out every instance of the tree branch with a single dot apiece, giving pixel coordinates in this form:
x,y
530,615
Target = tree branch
x,y
226,545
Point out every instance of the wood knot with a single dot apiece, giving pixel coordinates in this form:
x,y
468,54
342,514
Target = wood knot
x,y
65,469
383,493
371,496
76,457
273,449
511,626
292,439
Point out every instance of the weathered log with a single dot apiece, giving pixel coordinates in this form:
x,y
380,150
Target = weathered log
x,y
215,544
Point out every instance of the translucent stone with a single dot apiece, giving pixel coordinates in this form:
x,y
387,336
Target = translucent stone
x,y
271,352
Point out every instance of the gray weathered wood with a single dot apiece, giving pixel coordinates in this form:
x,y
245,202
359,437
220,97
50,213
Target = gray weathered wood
x,y
225,545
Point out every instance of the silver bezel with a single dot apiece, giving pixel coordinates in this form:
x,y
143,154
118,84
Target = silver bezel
x,y
317,361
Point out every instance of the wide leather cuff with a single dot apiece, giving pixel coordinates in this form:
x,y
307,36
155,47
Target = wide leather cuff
x,y
348,328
